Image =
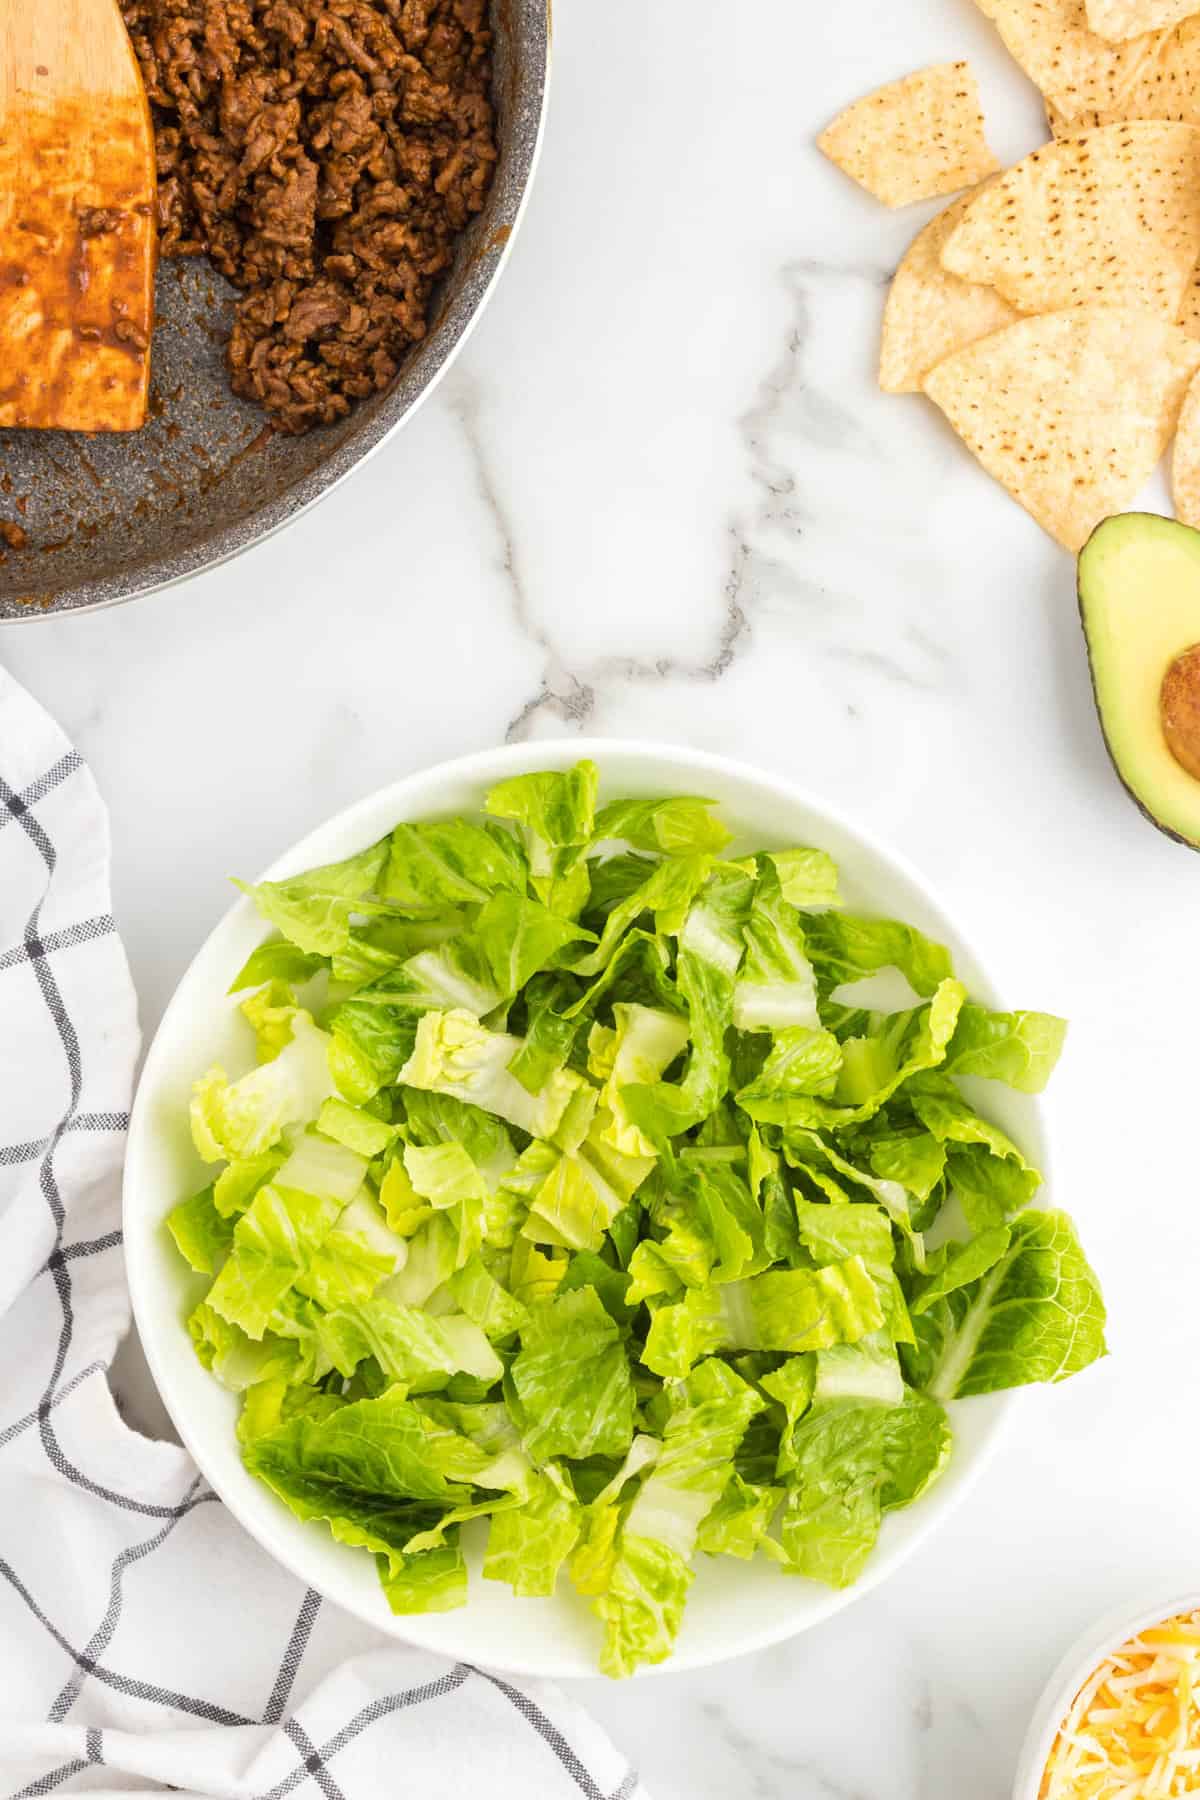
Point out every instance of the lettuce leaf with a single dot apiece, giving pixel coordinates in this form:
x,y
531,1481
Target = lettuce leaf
x,y
572,1385
1035,1315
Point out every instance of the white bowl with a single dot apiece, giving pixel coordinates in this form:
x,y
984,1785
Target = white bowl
x,y
733,1607
1084,1656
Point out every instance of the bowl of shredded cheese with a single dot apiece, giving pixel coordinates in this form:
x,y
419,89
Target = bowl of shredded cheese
x,y
1120,1717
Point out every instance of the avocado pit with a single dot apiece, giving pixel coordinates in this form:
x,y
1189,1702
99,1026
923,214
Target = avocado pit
x,y
1179,708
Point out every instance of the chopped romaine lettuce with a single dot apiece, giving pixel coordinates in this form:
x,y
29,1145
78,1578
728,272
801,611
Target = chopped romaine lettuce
x,y
578,1200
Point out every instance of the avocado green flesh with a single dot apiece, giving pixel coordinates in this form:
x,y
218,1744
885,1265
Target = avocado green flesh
x,y
1139,597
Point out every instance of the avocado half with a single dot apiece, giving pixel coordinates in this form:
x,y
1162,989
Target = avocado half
x,y
1139,598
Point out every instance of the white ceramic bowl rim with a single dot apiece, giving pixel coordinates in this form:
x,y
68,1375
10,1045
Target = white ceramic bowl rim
x,y
521,1647
1085,1655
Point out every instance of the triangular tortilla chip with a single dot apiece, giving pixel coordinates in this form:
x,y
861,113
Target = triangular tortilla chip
x,y
930,313
1074,68
1071,411
915,139
1185,460
1164,85
1108,218
1121,19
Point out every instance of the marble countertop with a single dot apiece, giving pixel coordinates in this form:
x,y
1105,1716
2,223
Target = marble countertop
x,y
660,495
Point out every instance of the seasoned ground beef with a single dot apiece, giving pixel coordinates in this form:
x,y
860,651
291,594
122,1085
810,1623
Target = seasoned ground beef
x,y
325,154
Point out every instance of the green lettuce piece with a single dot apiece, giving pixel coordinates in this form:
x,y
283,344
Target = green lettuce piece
x,y
273,1242
232,1120
988,1172
239,1181
549,1035
874,1067
314,911
519,938
643,1604
270,1012
457,1056
715,1229
432,1581
1036,1315
776,987
370,1045
386,1447
990,1189
450,974
792,1385
642,1043
267,1403
957,1265
594,1558
555,813
864,1446
380,944
681,826
412,1347
535,1275
802,1061
572,1384
316,1165
587,1269
668,891
202,1235
528,1544
1019,1048
344,1268
739,1522
844,947
827,1168
240,1362
856,1456
807,877
475,1290
573,1205
445,1176
868,1370
785,1309
450,863
355,1129
710,952
917,1442
831,1233
276,960
914,1158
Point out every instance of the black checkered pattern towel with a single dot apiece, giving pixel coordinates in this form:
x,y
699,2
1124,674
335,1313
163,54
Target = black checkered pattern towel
x,y
145,1642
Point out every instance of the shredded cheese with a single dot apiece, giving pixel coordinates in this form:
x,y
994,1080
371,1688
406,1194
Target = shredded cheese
x,y
1133,1730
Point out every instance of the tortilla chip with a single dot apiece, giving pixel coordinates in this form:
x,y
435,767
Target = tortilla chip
x,y
1189,312
1185,460
915,139
1108,218
1165,85
1070,411
1076,70
930,313
1121,19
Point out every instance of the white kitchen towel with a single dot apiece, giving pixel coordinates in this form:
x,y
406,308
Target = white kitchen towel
x,y
145,1642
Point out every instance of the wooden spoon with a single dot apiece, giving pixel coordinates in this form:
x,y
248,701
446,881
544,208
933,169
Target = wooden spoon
x,y
77,225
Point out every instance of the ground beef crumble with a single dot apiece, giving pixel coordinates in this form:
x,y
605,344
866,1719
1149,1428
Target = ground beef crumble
x,y
326,154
